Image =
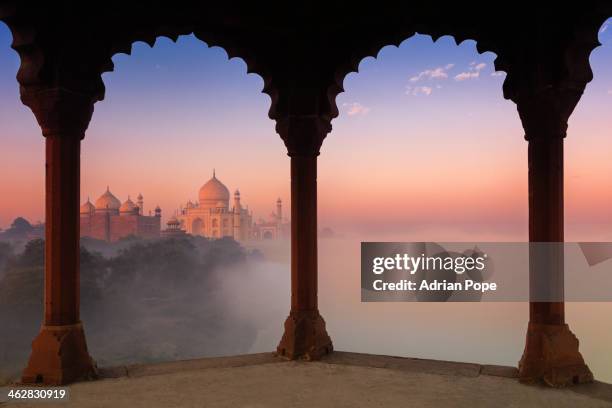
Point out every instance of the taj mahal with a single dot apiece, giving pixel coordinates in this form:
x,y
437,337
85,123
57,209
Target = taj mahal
x,y
213,217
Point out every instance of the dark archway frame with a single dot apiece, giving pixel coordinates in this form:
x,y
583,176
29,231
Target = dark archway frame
x,y
303,53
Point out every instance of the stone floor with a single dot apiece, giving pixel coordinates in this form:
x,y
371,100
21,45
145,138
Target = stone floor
x,y
340,380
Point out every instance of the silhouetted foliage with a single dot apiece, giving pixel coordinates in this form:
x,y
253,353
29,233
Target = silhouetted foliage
x,y
6,255
160,265
21,231
33,254
21,224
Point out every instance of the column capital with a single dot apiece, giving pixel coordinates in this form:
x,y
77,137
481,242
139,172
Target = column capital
x,y
544,114
303,134
60,111
546,76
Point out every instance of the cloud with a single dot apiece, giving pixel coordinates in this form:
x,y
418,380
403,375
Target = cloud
x,y
425,90
419,90
356,108
435,73
467,75
473,71
480,66
497,73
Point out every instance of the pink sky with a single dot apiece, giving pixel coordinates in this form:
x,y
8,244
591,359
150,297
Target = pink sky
x,y
421,144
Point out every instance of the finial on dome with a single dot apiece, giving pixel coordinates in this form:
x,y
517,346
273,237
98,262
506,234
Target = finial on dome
x,y
214,175
107,188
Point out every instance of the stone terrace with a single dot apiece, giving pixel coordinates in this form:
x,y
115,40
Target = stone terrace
x,y
339,380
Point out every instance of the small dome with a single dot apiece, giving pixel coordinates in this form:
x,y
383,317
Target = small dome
x,y
173,221
107,201
189,204
128,207
214,192
87,208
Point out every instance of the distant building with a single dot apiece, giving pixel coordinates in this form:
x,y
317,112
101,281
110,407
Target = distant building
x,y
109,220
274,227
212,216
173,229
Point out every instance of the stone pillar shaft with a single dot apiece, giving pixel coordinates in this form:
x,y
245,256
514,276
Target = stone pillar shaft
x,y
546,224
304,233
59,352
305,335
62,187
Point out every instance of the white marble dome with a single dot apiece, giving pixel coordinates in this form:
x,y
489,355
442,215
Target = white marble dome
x,y
214,193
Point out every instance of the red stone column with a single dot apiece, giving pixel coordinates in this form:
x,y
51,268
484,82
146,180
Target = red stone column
x,y
546,224
551,349
59,352
305,335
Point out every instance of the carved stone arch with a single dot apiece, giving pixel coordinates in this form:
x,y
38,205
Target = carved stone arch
x,y
24,35
59,50
368,40
239,46
548,73
212,34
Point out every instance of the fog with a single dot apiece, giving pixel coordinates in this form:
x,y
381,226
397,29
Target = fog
x,y
152,301
147,302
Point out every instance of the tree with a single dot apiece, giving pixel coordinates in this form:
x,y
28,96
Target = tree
x,y
6,254
21,224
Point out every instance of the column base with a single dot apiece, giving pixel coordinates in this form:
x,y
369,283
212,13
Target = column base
x,y
59,356
551,355
305,337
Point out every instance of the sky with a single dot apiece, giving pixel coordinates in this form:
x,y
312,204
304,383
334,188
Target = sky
x,y
424,142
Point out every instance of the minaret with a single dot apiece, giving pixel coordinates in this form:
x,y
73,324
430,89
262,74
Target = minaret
x,y
140,204
158,211
279,210
237,214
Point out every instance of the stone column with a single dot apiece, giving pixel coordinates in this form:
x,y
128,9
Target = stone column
x,y
59,352
551,350
305,335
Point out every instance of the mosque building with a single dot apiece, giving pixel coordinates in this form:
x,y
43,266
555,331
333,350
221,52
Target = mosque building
x,y
109,220
212,216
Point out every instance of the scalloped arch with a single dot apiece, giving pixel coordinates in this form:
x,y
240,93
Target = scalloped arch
x,y
371,47
263,39
209,39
